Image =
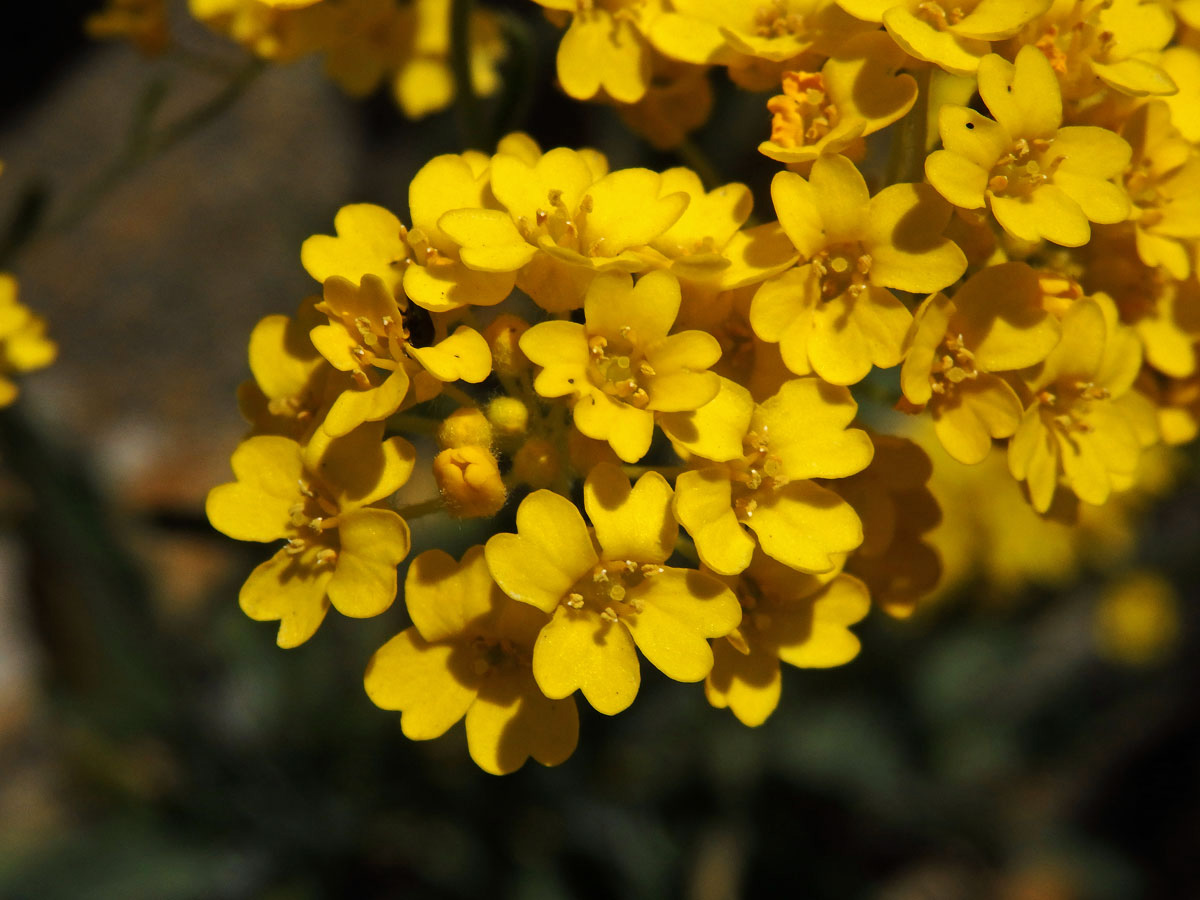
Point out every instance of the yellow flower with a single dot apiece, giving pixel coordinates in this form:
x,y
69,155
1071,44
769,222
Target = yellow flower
x,y
623,367
366,335
607,597
802,620
1137,619
1098,44
736,33
1182,64
341,548
896,560
954,35
423,82
421,259
271,32
994,323
1163,182
798,434
677,101
468,654
1040,180
142,22
563,222
292,381
603,50
858,91
1077,428
23,342
834,315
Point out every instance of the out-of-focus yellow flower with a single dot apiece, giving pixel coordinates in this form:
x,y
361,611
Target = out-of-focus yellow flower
x,y
1183,65
994,323
1078,428
1039,179
797,435
834,314
1094,45
802,620
470,481
677,101
610,595
142,22
1137,619
278,34
738,34
468,653
955,38
23,342
341,549
896,559
1163,182
603,50
858,91
623,367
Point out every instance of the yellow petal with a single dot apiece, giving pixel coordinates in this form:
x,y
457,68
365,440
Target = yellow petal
x,y
354,407
714,430
372,542
627,211
849,335
747,684
1000,315
359,469
812,634
488,239
367,242
972,136
704,506
550,552
957,179
805,526
681,609
601,51
804,423
511,720
1023,97
463,355
631,523
994,20
648,309
1046,212
428,683
627,429
840,194
799,216
256,506
447,287
281,590
959,55
577,650
980,410
444,597
904,238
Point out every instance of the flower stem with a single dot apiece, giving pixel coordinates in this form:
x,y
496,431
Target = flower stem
x,y
907,162
424,508
466,104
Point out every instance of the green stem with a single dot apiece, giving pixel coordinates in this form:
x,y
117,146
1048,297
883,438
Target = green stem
x,y
424,508
907,162
466,105
458,395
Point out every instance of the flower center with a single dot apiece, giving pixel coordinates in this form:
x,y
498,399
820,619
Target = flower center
x,y
941,13
498,654
756,475
803,113
843,269
953,364
618,367
562,225
1068,406
611,588
776,19
1022,170
312,519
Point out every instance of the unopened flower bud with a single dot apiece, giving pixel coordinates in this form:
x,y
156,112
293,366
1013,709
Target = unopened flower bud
x,y
503,335
509,416
465,427
470,481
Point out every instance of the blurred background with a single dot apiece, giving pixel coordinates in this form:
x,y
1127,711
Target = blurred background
x,y
1033,734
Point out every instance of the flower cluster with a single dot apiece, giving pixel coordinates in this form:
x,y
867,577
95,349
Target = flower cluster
x,y
673,415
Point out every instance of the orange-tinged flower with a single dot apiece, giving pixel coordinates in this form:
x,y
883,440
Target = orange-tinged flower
x,y
23,342
1039,179
1077,429
798,434
623,366
802,620
609,595
834,314
468,654
858,91
342,549
994,323
955,35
